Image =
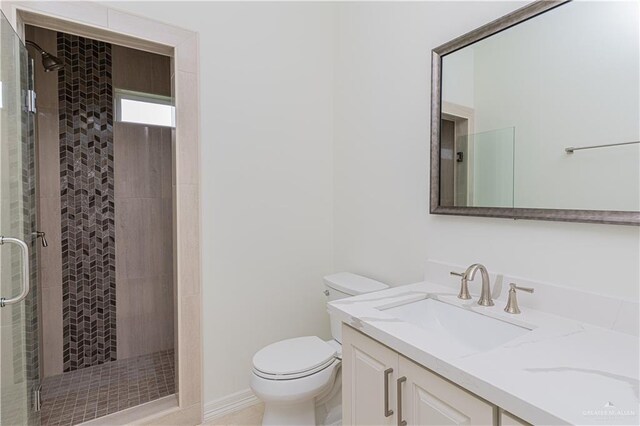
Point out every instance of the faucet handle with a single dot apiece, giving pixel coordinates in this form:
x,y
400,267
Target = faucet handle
x,y
464,287
517,287
512,301
40,234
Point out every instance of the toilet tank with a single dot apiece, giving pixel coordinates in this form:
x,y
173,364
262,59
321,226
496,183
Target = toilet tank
x,y
346,284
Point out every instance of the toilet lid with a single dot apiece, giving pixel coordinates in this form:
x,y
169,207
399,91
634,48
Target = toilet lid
x,y
294,356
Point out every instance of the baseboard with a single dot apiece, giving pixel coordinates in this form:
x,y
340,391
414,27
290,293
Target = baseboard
x,y
229,404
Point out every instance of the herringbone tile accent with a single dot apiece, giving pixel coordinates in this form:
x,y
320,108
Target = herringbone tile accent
x,y
85,99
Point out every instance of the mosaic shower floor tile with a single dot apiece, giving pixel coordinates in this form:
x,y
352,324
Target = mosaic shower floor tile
x,y
82,395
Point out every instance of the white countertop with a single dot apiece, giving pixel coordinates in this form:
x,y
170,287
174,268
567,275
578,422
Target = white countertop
x,y
562,371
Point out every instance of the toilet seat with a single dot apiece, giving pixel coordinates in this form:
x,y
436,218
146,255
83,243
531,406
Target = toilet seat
x,y
293,358
299,380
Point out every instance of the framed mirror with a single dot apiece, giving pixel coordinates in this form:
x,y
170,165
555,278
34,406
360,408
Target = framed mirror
x,y
537,116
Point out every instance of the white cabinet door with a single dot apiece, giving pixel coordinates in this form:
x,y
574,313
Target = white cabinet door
x,y
369,373
508,419
428,399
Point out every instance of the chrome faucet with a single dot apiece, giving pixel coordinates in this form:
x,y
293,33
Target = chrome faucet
x,y
485,294
468,275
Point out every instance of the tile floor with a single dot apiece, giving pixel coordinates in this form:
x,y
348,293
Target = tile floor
x,y
78,396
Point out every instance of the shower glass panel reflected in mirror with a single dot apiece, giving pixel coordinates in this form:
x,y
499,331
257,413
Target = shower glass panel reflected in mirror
x,y
477,168
515,104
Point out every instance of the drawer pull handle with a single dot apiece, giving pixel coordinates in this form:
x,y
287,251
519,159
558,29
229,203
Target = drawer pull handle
x,y
401,422
387,411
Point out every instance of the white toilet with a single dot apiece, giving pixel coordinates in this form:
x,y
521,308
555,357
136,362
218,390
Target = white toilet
x,y
299,379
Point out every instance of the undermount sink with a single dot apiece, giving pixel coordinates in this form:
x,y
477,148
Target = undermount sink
x,y
462,331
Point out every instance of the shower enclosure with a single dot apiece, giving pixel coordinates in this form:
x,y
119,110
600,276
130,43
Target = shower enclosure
x,y
87,320
19,375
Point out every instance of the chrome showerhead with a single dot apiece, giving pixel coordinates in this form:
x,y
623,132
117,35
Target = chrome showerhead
x,y
49,61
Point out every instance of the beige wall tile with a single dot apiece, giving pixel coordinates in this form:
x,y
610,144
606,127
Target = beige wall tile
x,y
51,256
174,153
144,315
46,83
167,237
129,344
167,312
187,54
141,71
48,174
85,12
142,28
48,153
51,312
141,241
188,213
190,352
167,163
128,299
187,152
138,160
144,239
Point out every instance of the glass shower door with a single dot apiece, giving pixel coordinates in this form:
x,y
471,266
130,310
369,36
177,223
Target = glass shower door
x,y
19,376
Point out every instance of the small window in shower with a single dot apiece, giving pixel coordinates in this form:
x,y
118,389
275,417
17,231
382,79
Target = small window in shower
x,y
144,108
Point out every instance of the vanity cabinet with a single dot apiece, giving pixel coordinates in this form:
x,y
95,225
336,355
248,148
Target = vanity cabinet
x,y
428,399
508,419
369,370
382,387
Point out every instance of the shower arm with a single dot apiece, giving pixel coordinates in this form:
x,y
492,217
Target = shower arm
x,y
31,43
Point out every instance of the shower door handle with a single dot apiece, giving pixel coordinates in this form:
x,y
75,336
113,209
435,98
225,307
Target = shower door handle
x,y
24,251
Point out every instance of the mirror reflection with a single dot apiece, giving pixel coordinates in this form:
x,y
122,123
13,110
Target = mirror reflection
x,y
546,114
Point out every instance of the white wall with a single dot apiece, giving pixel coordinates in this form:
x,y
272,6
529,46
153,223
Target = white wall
x,y
266,113
381,137
315,125
458,82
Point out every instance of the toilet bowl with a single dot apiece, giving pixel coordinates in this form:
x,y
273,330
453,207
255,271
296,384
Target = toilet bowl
x,y
291,375
299,379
